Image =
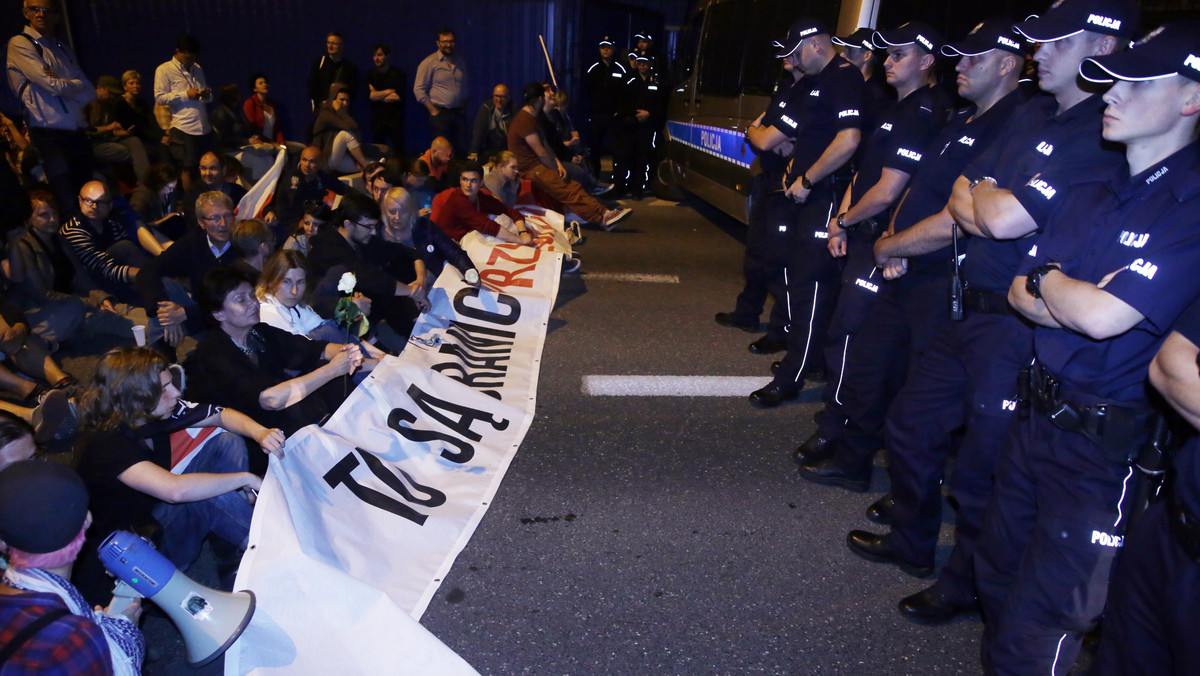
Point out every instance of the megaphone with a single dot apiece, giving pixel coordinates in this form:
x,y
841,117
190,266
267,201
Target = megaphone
x,y
210,620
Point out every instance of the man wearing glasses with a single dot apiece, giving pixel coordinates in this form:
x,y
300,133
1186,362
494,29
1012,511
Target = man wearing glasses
x,y
441,86
99,246
347,248
332,67
172,311
46,78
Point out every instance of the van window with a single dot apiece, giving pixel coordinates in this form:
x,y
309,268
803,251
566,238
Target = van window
x,y
763,69
724,44
685,58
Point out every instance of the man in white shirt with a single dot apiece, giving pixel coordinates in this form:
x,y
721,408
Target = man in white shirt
x,y
179,84
47,79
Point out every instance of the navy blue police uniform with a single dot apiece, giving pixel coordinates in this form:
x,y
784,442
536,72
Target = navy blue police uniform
x,y
1149,624
967,376
900,142
915,307
604,84
766,246
827,103
1064,483
637,144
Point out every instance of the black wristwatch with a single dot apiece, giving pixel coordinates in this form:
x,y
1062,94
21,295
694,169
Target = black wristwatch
x,y
841,220
1033,281
804,182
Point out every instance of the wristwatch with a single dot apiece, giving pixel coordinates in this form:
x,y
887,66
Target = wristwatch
x,y
841,223
471,276
981,179
804,182
1033,281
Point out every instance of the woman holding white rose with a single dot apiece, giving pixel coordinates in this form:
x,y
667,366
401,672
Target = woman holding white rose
x,y
249,365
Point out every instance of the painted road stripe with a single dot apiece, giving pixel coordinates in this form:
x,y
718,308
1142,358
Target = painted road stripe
x,y
632,277
672,386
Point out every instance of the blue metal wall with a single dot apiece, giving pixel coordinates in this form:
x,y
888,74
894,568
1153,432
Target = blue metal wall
x,y
282,38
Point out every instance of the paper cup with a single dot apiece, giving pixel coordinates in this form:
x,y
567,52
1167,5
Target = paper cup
x,y
139,334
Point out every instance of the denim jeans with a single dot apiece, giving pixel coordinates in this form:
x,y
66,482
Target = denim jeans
x,y
186,524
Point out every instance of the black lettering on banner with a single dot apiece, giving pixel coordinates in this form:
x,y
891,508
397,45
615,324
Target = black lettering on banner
x,y
341,474
475,361
468,334
465,451
478,381
466,415
461,307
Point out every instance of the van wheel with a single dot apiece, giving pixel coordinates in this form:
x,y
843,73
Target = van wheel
x,y
662,184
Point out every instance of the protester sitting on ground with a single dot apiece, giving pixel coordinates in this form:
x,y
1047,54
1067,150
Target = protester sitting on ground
x,y
419,183
423,241
306,183
504,180
347,248
233,133
466,208
315,215
336,133
126,460
160,208
437,160
282,292
112,129
212,174
100,248
141,116
41,275
384,181
560,131
538,164
246,363
369,172
266,120
254,239
173,312
490,132
43,518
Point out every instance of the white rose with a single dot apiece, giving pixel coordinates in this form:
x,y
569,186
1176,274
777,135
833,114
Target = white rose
x,y
347,282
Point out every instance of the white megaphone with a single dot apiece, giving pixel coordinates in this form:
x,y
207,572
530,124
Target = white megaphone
x,y
210,620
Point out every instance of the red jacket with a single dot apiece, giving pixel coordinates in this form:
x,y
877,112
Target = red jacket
x,y
458,215
253,108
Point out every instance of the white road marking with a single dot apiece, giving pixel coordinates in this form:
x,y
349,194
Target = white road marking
x,y
672,386
632,277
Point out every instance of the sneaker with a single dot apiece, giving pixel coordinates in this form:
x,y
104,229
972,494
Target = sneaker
x,y
571,264
55,420
614,216
601,189
574,236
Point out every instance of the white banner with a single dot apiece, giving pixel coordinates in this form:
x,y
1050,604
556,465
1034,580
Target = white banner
x,y
357,526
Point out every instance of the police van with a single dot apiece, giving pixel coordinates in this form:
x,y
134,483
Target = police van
x,y
724,75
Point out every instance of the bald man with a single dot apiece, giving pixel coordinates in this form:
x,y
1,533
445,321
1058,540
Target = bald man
x,y
99,246
437,159
490,134
306,182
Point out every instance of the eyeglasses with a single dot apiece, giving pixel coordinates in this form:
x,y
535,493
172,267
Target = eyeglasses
x,y
369,226
445,42
217,218
41,11
89,202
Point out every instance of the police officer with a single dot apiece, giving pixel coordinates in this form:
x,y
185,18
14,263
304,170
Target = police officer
x,y
858,49
1115,269
890,155
604,83
967,376
827,113
914,307
1149,625
641,116
772,136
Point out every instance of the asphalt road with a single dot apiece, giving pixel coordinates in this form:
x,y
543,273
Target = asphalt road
x,y
667,535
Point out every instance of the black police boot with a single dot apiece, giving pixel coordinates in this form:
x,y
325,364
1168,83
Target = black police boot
x,y
815,449
874,547
880,511
729,319
931,607
774,394
767,345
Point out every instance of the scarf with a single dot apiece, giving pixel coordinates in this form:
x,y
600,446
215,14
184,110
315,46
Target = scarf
x,y
125,641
